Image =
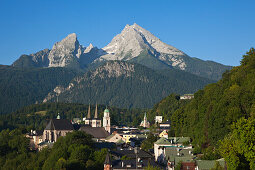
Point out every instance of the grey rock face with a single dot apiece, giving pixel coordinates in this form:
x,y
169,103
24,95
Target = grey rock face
x,y
39,59
66,53
135,39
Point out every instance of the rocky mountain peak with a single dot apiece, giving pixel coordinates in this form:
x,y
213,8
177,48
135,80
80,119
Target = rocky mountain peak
x,y
89,48
134,39
66,52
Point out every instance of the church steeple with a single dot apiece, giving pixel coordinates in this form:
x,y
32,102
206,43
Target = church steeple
x,y
107,120
96,122
95,117
89,115
107,162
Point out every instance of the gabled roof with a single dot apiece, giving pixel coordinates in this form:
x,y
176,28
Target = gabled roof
x,y
131,164
109,137
183,159
172,152
163,141
96,132
209,164
59,124
131,153
179,139
166,122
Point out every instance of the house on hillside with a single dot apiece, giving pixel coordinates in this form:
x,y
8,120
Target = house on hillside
x,y
35,137
165,125
164,144
187,96
163,134
158,119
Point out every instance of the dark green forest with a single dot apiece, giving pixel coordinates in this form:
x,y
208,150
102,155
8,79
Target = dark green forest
x,y
74,151
142,89
21,87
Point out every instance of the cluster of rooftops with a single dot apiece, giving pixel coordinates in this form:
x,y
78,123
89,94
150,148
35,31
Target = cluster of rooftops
x,y
167,151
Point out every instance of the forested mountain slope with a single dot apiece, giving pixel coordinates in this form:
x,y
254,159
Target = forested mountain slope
x,y
126,85
24,86
207,118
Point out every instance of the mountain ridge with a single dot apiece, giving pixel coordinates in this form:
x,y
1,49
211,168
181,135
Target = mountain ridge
x,y
126,46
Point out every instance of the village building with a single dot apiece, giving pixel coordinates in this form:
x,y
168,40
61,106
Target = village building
x,y
115,138
145,122
187,96
172,142
96,122
163,134
56,128
158,119
165,125
209,164
107,120
98,133
136,159
88,120
35,137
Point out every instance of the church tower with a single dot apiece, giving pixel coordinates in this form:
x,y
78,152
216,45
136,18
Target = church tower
x,y
88,120
145,122
107,121
96,122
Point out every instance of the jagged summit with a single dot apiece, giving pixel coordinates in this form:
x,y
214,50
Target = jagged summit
x,y
134,39
89,48
134,44
66,52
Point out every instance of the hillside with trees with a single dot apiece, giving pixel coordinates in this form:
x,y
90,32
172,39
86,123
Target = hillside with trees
x,y
21,87
74,151
127,85
208,117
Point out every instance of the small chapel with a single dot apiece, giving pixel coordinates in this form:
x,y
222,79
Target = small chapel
x,y
145,123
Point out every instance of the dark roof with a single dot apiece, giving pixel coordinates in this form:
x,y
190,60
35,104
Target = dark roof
x,y
78,126
107,159
131,153
166,122
59,124
96,132
131,164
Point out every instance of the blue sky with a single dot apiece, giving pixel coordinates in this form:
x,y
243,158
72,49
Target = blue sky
x,y
218,30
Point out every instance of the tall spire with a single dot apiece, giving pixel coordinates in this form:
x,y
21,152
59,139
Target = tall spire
x,y
145,117
96,112
89,116
107,159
